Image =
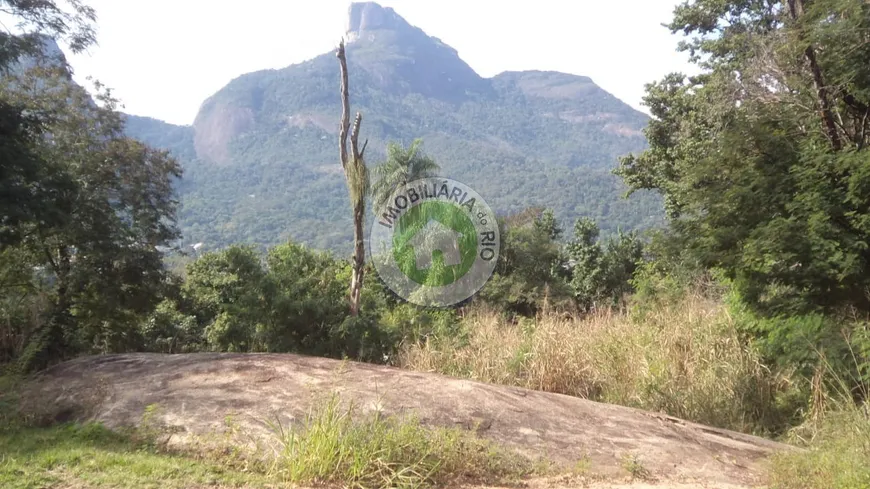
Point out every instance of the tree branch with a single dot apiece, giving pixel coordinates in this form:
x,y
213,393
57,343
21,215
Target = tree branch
x,y
51,260
354,140
854,103
345,107
796,9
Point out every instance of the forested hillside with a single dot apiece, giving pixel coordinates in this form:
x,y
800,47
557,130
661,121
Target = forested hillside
x,y
261,164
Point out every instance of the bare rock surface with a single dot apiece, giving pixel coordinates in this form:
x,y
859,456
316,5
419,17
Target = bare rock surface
x,y
195,393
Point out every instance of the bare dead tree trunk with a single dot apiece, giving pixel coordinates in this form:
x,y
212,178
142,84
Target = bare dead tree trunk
x,y
796,9
357,183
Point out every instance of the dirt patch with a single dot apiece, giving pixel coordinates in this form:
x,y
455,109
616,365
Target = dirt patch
x,y
196,392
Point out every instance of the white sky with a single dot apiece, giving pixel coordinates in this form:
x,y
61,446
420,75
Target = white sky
x,y
163,58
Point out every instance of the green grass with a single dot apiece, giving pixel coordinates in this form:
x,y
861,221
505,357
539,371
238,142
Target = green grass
x,y
334,447
92,456
73,455
838,455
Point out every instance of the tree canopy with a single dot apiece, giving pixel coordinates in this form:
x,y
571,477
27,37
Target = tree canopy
x,y
763,158
97,207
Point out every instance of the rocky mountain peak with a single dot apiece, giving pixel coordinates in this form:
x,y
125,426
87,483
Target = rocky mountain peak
x,y
402,58
370,16
40,50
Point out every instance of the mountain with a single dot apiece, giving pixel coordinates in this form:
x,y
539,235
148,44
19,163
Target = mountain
x,y
261,158
177,139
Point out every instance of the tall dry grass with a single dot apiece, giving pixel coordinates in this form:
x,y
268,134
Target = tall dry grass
x,y
686,359
835,433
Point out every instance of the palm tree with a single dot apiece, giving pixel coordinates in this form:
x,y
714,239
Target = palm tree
x,y
402,165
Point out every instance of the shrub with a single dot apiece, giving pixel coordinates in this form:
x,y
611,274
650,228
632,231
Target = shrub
x,y
411,323
804,342
293,301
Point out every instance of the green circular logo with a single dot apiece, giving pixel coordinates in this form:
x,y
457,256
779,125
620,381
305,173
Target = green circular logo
x,y
435,242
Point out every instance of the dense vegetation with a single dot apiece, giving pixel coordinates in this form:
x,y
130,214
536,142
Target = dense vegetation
x,y
763,162
748,309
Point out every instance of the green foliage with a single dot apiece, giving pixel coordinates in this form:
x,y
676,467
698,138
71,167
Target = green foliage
x,y
622,256
763,173
68,21
402,165
535,272
168,330
601,277
809,341
668,272
225,290
111,204
530,273
413,324
178,140
763,163
292,300
24,302
30,182
309,293
588,274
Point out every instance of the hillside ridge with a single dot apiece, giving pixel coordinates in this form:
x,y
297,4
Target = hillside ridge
x,y
261,164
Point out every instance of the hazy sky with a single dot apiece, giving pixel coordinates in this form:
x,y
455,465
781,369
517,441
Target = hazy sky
x,y
164,57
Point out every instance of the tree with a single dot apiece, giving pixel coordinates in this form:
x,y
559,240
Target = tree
x,y
531,272
356,175
227,295
293,301
308,300
601,275
588,273
31,185
402,165
763,157
69,21
622,257
115,208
